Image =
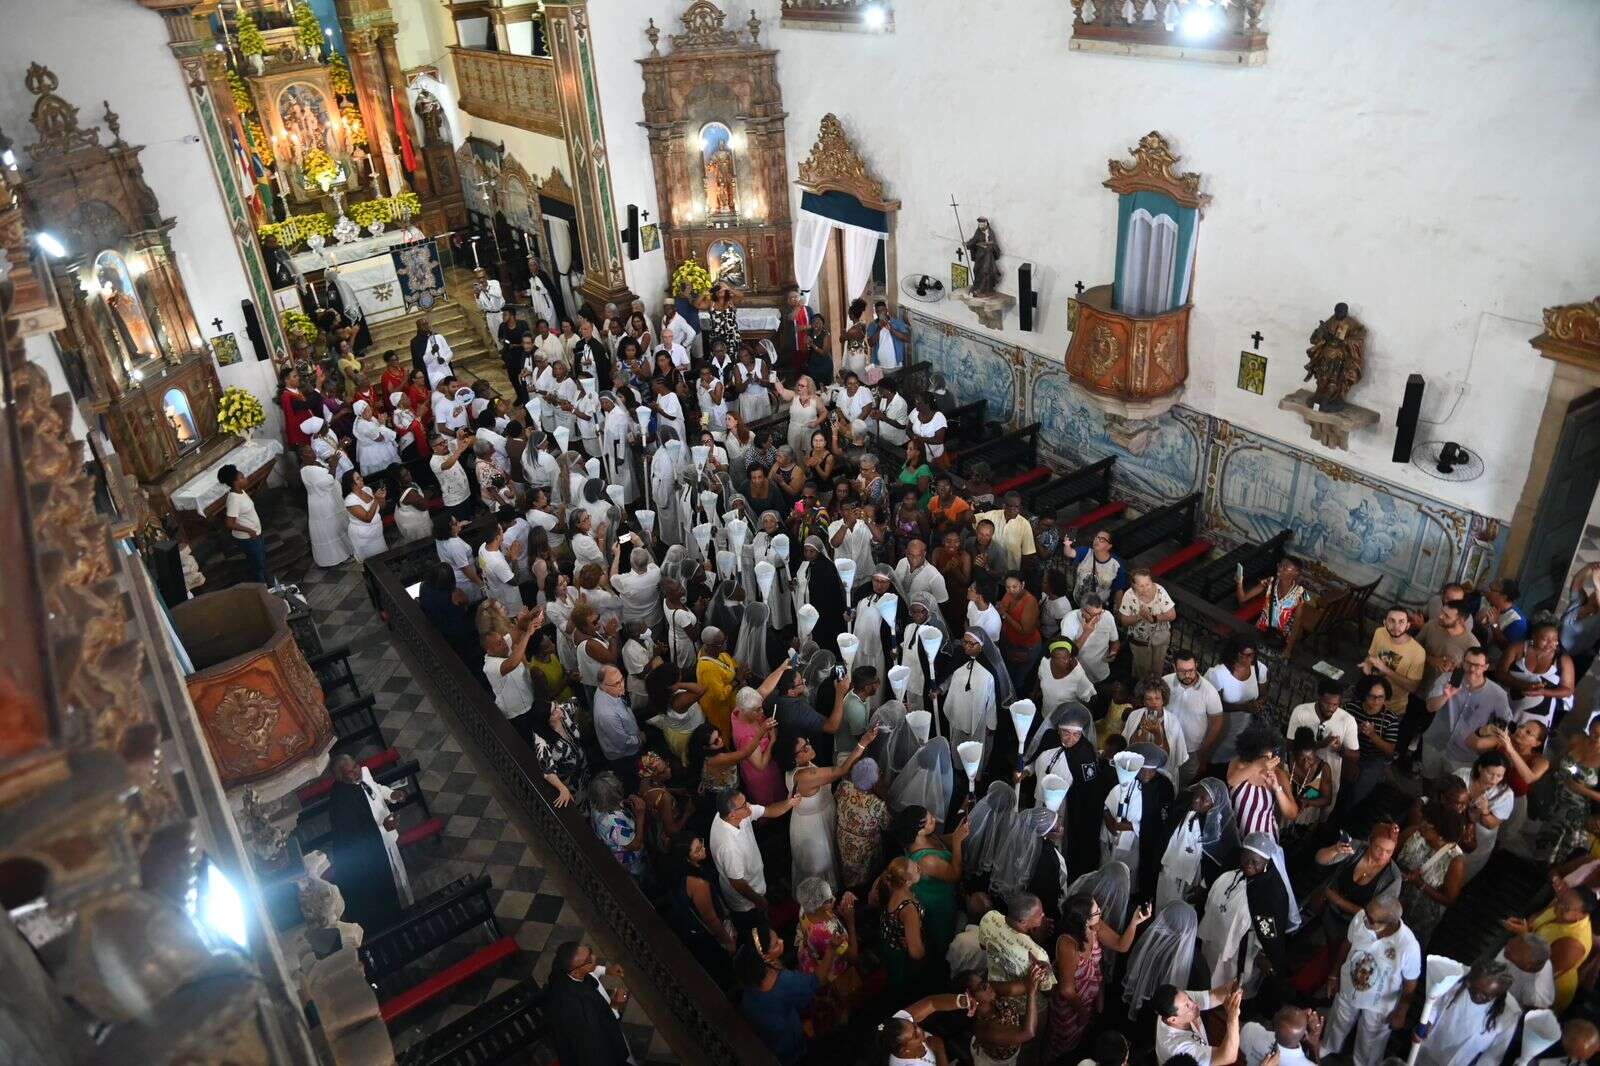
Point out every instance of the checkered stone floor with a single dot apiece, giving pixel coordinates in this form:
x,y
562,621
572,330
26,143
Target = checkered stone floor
x,y
478,837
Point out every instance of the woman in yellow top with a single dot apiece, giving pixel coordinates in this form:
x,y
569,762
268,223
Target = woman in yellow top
x,y
715,672
1564,925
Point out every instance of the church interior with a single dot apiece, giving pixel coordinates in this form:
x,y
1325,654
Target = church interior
x,y
1289,308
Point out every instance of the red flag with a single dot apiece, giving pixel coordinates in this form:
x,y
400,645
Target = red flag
x,y
407,154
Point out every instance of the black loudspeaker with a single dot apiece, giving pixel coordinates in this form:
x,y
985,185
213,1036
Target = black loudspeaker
x,y
1027,297
1405,420
630,236
252,328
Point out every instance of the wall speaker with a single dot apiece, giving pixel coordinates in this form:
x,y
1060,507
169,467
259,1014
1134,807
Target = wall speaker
x,y
1027,297
1405,419
630,235
252,329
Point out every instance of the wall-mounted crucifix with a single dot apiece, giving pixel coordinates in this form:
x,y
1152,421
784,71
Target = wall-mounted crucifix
x,y
1256,337
218,323
1079,286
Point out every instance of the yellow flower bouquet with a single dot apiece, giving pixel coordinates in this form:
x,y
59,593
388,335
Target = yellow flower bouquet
x,y
691,273
238,412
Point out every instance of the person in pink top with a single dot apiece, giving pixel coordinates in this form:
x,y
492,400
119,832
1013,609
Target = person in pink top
x,y
760,774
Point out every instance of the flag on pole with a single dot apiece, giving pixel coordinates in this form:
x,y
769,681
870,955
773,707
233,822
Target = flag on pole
x,y
408,155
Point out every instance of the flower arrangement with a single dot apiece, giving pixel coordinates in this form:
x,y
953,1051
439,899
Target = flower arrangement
x,y
298,325
339,79
259,147
238,411
352,121
294,230
308,31
251,43
319,167
385,210
692,274
243,102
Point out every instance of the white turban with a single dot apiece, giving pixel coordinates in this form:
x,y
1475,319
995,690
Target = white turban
x,y
361,408
396,399
312,425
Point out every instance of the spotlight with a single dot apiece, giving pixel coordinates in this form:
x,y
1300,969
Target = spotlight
x,y
51,245
8,159
1199,21
218,909
874,16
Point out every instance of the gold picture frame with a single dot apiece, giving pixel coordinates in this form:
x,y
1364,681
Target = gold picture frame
x,y
225,347
960,277
1253,372
1073,310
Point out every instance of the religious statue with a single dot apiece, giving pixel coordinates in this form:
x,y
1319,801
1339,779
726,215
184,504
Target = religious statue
x,y
719,182
985,252
127,313
1335,358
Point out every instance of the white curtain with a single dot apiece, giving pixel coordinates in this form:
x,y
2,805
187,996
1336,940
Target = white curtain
x,y
860,249
561,251
1149,264
810,248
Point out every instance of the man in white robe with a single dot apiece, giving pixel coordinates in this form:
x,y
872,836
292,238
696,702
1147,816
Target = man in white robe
x,y
539,296
491,301
380,797
1475,1019
617,435
436,357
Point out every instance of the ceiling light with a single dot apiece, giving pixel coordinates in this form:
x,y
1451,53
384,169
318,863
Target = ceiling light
x,y
51,245
1199,21
875,16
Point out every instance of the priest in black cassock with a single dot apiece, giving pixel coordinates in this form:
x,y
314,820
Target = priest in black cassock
x,y
360,858
582,1014
1155,827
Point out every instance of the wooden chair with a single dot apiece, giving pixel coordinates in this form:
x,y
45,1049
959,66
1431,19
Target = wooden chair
x,y
1322,618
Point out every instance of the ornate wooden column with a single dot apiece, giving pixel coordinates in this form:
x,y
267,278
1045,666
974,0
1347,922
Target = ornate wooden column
x,y
567,23
193,47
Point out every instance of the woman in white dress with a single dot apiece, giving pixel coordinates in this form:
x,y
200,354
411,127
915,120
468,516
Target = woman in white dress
x,y
857,355
375,441
365,508
972,694
923,615
411,515
1489,803
806,412
753,377
325,513
617,434
811,822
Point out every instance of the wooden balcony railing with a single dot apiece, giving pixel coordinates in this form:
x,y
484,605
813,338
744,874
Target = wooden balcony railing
x,y
1215,31
861,16
515,90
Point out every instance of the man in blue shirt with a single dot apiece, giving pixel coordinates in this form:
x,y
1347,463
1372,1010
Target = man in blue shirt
x,y
1500,616
774,1001
887,337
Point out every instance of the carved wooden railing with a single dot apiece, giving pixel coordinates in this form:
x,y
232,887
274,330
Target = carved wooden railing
x,y
1229,31
515,90
869,16
654,954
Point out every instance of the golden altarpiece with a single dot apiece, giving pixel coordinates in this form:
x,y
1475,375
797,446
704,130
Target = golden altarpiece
x,y
714,114
130,332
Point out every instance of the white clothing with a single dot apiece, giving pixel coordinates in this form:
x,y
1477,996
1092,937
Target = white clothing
x,y
911,656
414,523
927,1058
894,411
1123,801
1053,610
543,306
1256,1042
513,692
1053,691
550,348
801,413
1534,991
669,412
926,431
375,446
366,536
1180,865
540,468
754,402
453,485
1195,706
448,413
966,951
926,578
677,331
1092,650
325,446
868,629
1170,1040
378,799
987,619
641,594
586,550
326,517
856,545
969,705
436,358
811,836
1500,802
617,432
491,301
1230,689
1226,923
455,552
1177,747
853,404
242,509
1458,1037
501,580
1341,725
738,858
1375,970
680,644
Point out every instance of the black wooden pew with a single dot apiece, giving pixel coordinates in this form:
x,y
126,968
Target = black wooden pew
x,y
1050,498
333,671
1175,522
1010,454
424,927
967,423
1214,581
507,1025
355,724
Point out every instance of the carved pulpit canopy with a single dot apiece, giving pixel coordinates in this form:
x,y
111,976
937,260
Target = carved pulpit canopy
x,y
55,119
1155,169
1572,334
834,165
555,186
704,25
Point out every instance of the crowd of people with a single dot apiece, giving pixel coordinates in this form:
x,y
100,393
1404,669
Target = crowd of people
x,y
907,767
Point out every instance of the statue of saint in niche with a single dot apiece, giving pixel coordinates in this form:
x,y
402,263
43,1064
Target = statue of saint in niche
x,y
126,310
717,157
1336,358
985,251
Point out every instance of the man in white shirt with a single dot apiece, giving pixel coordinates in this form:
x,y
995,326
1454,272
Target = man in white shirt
x,y
505,664
640,588
244,523
436,354
455,492
450,411
1012,531
1092,629
615,728
1475,1020
491,300
981,613
675,330
914,574
892,414
1179,1030
852,538
1533,978
1199,709
1374,980
1338,738
546,345
741,873
1294,1032
497,573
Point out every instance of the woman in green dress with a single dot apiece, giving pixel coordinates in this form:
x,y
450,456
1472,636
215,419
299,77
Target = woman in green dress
x,y
916,473
907,955
939,862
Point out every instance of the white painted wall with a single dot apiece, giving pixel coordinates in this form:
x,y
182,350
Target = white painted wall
x,y
1429,162
75,39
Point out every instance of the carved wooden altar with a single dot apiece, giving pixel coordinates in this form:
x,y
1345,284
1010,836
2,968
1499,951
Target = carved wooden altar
x,y
714,113
130,331
1133,363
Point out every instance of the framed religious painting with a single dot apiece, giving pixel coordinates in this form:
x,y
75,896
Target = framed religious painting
x,y
960,277
650,237
1253,372
1072,314
727,264
226,349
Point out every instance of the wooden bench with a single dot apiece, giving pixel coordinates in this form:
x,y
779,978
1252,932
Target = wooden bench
x,y
1021,480
1181,558
426,926
507,1025
417,995
333,672
1007,454
966,423
910,379
1099,516
1214,581
1174,522
356,723
1092,482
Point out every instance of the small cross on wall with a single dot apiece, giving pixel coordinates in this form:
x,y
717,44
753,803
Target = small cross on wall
x,y
1079,286
218,323
1256,338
